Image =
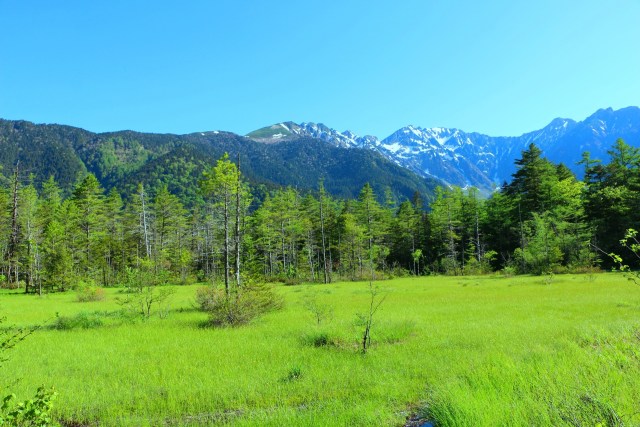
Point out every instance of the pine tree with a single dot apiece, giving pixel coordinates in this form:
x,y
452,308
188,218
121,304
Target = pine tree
x,y
31,238
374,220
113,244
612,191
88,198
221,185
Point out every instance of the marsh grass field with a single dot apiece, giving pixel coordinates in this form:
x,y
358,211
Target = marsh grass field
x,y
457,351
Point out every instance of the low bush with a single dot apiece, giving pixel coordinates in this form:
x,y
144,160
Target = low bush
x,y
82,320
334,337
144,300
31,412
90,294
320,311
318,339
237,307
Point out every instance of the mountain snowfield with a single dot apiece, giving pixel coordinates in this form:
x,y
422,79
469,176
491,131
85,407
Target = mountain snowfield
x,y
473,159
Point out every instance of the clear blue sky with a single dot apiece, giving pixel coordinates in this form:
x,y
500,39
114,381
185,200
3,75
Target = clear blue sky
x,y
497,67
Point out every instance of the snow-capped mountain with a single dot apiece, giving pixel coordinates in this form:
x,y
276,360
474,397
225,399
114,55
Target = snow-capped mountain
x,y
473,159
288,130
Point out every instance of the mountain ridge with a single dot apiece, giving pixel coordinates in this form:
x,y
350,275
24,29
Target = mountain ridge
x,y
122,159
465,158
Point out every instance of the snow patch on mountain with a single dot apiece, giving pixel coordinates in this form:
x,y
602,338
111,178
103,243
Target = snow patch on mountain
x,y
473,159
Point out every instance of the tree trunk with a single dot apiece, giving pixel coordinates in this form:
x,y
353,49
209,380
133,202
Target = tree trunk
x,y
12,249
237,231
324,247
226,242
143,219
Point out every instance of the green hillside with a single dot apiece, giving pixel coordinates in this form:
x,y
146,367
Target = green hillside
x,y
123,159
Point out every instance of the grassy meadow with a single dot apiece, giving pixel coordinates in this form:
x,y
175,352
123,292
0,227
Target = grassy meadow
x,y
460,351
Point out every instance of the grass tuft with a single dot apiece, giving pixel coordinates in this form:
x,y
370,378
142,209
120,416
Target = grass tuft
x,y
82,320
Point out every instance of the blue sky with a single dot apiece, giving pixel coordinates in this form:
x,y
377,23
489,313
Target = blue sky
x,y
497,67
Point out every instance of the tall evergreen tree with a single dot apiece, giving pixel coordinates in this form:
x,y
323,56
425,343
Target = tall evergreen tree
x,y
88,196
220,185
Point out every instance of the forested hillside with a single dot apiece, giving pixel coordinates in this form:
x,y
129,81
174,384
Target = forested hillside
x,y
543,221
122,160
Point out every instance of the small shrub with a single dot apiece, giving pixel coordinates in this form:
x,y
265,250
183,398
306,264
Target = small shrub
x,y
32,412
145,299
509,271
320,311
81,320
84,283
291,281
397,271
559,269
317,339
91,294
238,307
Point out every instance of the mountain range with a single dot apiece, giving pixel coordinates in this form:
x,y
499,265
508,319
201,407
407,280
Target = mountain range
x,y
412,159
466,159
123,159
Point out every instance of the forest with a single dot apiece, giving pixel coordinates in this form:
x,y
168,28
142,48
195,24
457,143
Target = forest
x,y
544,221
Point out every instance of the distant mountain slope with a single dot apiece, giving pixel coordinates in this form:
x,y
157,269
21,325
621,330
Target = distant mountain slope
x,y
464,159
124,159
43,151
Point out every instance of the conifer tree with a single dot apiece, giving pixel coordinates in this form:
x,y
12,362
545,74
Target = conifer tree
x,y
88,198
221,185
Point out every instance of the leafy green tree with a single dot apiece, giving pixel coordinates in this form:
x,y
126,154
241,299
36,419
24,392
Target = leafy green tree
x,y
323,201
539,218
312,241
31,238
353,244
59,241
283,230
113,245
612,191
171,228
446,229
542,251
404,237
11,256
265,237
222,186
373,219
56,260
88,198
533,181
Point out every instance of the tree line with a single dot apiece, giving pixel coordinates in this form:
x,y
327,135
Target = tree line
x,y
544,220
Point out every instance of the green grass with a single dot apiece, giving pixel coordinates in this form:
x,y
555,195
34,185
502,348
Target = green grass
x,y
469,351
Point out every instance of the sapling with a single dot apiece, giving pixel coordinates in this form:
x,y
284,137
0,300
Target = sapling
x,y
321,312
142,295
366,320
